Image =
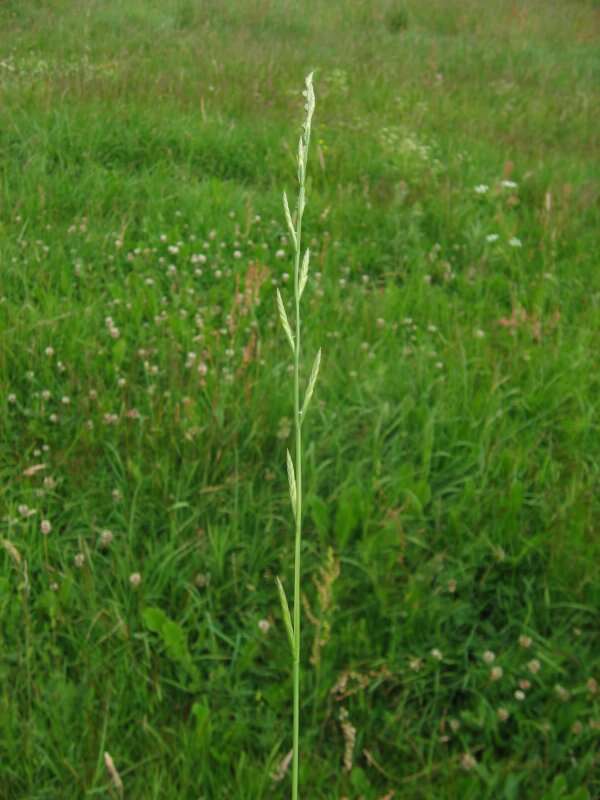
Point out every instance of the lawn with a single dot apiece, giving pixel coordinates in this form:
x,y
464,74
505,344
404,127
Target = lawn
x,y
451,592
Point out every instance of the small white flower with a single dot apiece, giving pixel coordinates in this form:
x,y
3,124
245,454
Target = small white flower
x,y
562,693
280,254
45,526
502,714
106,538
482,188
508,184
79,560
264,625
515,242
492,237
468,761
437,654
489,657
49,351
12,398
135,579
534,666
525,641
519,695
496,673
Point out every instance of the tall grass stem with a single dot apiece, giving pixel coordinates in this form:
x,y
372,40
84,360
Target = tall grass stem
x,y
294,468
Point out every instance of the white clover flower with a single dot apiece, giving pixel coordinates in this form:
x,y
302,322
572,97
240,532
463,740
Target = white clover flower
x,y
264,625
502,714
482,188
437,654
525,641
45,526
492,237
508,184
515,242
489,657
534,666
496,673
280,254
79,560
135,579
519,695
562,693
468,761
106,538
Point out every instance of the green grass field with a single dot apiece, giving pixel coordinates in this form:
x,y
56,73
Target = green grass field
x,y
451,645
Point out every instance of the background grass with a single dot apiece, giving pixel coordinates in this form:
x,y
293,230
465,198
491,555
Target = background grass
x,y
453,450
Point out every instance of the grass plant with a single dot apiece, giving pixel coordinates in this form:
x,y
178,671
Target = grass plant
x,y
450,505
301,273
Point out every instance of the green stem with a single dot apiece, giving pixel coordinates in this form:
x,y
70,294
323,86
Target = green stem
x,y
298,468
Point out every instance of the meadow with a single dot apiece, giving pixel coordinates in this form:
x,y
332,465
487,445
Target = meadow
x,y
451,592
